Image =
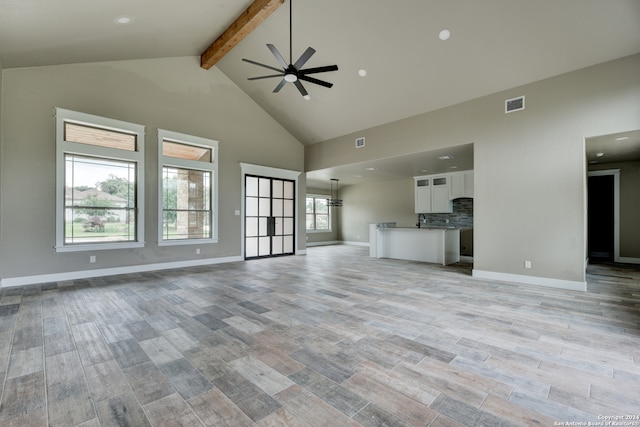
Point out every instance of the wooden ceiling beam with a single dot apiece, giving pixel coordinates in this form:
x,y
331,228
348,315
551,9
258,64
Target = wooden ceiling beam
x,y
257,12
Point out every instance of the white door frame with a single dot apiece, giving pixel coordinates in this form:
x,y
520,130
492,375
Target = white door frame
x,y
616,208
268,172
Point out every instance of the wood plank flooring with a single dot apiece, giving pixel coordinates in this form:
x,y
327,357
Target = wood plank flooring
x,y
333,338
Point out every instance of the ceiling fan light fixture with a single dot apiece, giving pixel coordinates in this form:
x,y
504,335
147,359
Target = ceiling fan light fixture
x,y
306,97
293,72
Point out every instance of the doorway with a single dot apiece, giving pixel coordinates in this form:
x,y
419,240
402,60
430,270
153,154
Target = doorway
x,y
602,215
269,217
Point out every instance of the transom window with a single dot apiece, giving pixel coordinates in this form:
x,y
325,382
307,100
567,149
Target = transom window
x,y
318,213
187,200
99,182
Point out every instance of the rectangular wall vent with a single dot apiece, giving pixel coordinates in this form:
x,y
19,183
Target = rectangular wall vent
x,y
360,142
514,104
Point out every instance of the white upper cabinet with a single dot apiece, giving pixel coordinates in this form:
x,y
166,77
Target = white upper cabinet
x,y
461,184
423,194
432,194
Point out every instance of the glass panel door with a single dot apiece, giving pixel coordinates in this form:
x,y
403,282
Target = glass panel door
x,y
269,217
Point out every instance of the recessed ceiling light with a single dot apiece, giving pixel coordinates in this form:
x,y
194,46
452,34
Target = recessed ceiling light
x,y
357,176
444,35
123,20
424,170
447,157
370,169
362,72
599,154
622,138
592,162
453,167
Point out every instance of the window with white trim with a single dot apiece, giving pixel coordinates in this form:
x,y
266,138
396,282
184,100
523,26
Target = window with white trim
x,y
188,189
318,213
99,182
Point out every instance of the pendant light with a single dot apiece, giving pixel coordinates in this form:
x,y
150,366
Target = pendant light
x,y
334,201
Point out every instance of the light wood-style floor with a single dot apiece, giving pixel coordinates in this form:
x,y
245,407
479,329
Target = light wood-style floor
x,y
333,338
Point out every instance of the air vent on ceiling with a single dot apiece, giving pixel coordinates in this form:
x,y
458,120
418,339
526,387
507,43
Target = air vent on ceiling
x,y
360,142
514,104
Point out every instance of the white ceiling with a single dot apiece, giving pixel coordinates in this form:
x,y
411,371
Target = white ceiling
x,y
618,147
495,45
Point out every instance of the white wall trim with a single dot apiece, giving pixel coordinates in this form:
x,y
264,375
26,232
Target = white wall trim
x,y
616,208
355,243
269,172
628,260
101,272
324,243
531,280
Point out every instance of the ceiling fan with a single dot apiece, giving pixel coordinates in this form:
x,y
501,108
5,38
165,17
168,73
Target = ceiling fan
x,y
293,72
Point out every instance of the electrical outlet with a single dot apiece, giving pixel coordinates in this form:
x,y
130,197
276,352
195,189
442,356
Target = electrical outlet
x,y
198,251
92,258
527,264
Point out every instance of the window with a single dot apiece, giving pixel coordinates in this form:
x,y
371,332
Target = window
x,y
99,187
318,213
188,188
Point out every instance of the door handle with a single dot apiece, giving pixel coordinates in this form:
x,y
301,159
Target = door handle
x,y
271,226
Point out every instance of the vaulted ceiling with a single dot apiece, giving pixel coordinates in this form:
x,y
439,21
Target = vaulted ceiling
x,y
494,45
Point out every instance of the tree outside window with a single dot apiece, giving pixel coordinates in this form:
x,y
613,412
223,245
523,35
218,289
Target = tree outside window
x,y
318,214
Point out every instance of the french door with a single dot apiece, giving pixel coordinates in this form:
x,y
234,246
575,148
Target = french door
x,y
269,217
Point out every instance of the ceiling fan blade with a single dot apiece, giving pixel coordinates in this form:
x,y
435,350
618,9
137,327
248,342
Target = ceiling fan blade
x,y
262,65
301,88
304,58
318,69
280,86
265,77
316,81
279,57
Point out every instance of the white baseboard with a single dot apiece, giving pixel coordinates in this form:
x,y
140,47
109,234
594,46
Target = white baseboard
x,y
628,260
101,272
352,243
531,280
324,243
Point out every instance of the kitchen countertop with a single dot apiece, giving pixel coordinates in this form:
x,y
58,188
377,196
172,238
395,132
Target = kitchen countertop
x,y
435,227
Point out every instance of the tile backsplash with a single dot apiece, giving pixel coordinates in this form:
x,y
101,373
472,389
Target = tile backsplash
x,y
462,215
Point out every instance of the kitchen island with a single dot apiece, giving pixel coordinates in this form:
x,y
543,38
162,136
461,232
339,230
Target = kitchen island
x,y
429,244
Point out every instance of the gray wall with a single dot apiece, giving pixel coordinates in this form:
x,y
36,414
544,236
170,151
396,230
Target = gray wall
x,y
529,166
364,204
1,173
629,205
174,94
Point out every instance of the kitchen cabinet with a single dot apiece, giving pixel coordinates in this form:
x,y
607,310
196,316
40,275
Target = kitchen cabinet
x,y
432,194
440,201
423,195
461,184
437,245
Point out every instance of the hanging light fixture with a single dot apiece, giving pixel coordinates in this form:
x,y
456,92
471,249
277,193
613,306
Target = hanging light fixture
x,y
334,201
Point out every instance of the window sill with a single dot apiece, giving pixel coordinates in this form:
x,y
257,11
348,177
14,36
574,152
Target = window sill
x,y
186,242
318,231
99,247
